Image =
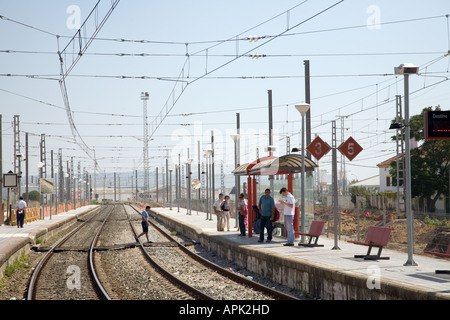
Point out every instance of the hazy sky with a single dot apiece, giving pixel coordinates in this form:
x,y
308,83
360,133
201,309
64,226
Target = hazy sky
x,y
195,60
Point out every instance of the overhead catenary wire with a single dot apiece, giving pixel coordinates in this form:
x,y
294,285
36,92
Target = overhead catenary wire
x,y
236,37
188,110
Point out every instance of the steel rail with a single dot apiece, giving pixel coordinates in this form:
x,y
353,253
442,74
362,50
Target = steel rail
x,y
193,291
99,289
225,272
31,292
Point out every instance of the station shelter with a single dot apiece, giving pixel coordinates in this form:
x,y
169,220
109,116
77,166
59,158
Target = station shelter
x,y
275,173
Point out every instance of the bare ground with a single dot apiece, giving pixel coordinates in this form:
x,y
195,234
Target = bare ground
x,y
426,236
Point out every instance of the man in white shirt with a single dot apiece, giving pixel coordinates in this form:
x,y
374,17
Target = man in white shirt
x,y
218,211
288,211
20,211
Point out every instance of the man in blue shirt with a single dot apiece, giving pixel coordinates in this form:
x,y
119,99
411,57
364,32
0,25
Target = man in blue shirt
x,y
145,223
266,207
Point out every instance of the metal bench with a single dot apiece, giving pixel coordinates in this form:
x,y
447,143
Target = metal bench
x,y
315,230
443,255
377,237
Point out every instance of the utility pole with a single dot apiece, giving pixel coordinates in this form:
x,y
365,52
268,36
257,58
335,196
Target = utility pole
x,y
335,184
43,169
17,157
1,159
144,98
60,178
26,166
213,189
270,147
400,150
308,101
409,213
238,161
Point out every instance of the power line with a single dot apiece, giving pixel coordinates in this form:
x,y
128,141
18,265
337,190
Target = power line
x,y
235,38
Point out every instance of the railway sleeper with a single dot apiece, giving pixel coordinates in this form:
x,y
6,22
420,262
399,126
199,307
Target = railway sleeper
x,y
39,248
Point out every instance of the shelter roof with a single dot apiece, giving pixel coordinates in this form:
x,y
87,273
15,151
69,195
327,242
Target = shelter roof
x,y
290,163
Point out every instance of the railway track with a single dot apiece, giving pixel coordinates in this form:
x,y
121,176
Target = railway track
x,y
165,256
70,274
100,259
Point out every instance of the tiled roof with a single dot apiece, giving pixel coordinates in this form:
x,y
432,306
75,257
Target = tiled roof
x,y
387,163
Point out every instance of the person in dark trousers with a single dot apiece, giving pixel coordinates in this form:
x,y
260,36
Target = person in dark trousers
x,y
145,223
266,206
20,210
242,213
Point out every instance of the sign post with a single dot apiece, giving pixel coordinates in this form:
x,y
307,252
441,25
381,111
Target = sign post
x,y
318,148
350,148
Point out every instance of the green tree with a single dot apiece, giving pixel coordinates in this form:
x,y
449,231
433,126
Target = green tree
x,y
33,195
430,164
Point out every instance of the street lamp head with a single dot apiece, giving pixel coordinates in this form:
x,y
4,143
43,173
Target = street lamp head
x,y
207,152
144,96
20,155
406,68
302,108
395,125
295,150
235,137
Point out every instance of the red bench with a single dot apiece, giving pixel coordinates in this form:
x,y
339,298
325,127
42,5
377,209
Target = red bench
x,y
443,255
315,230
377,237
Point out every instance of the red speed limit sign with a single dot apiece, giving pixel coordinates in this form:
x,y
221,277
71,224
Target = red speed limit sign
x,y
318,148
350,148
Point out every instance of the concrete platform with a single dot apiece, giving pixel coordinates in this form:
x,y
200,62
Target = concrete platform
x,y
14,240
320,271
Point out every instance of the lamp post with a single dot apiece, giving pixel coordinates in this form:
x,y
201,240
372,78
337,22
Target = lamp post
x,y
209,194
170,190
40,166
145,97
177,195
56,190
188,178
303,109
235,138
407,69
66,196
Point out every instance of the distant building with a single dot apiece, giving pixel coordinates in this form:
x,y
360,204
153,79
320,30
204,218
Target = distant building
x,y
372,183
385,178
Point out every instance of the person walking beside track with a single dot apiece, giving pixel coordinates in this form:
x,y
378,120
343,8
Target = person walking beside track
x,y
267,207
20,211
145,223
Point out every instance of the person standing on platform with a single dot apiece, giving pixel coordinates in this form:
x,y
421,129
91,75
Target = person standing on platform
x,y
145,223
288,211
218,211
242,213
267,206
226,209
20,211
